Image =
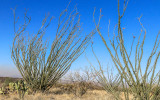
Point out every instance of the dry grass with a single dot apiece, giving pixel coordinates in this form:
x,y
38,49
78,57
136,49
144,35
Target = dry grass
x,y
90,95
58,94
63,92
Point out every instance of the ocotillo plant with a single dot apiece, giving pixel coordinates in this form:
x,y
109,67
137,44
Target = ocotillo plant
x,y
39,67
143,85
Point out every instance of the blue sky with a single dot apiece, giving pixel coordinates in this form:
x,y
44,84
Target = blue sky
x,y
38,8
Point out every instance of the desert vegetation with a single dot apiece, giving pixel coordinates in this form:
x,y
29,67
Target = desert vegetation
x,y
45,68
142,84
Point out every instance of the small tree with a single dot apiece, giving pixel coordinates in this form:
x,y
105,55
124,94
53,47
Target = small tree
x,y
39,67
142,85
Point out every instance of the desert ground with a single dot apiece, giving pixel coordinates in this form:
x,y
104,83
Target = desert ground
x,y
90,95
56,93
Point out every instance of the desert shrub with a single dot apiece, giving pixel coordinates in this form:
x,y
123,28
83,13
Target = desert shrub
x,y
135,81
80,88
80,81
76,88
67,88
7,81
40,67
